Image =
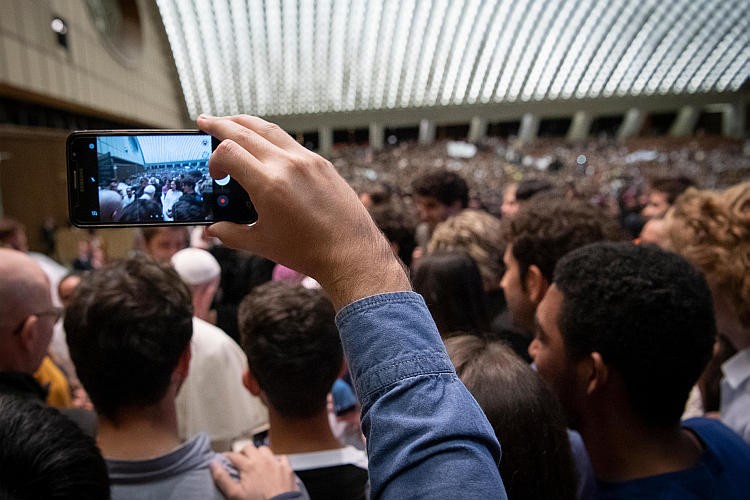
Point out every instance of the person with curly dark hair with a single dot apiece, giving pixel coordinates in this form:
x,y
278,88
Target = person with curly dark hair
x,y
438,195
541,233
662,193
621,336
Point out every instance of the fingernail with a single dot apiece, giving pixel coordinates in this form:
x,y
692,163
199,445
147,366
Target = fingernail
x,y
204,116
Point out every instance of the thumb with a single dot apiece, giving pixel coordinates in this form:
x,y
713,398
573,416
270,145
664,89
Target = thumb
x,y
228,486
234,235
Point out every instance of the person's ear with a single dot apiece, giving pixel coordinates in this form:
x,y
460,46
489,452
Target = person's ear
x,y
593,373
28,333
250,382
183,363
536,284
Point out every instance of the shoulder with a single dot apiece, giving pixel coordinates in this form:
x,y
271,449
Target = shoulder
x,y
205,332
726,458
711,431
183,472
210,340
719,439
721,471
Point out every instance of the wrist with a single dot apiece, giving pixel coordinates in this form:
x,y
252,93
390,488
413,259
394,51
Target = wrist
x,y
374,272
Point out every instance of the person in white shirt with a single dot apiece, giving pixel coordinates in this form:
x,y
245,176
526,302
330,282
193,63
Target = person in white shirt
x,y
213,399
169,198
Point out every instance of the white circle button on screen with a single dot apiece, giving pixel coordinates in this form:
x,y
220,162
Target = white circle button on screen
x,y
224,181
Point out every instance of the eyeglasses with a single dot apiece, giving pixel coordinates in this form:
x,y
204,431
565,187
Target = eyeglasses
x,y
55,312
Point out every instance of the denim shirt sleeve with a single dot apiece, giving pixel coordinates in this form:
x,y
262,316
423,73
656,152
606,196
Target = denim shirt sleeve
x,y
426,435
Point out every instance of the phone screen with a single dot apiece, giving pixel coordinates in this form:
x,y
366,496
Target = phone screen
x,y
137,178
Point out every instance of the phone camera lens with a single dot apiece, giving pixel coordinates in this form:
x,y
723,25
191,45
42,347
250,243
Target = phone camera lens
x,y
222,200
91,145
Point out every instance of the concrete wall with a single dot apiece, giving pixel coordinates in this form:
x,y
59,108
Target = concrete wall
x,y
89,77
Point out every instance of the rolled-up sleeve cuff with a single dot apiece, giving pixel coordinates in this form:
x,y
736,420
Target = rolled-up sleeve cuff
x,y
388,338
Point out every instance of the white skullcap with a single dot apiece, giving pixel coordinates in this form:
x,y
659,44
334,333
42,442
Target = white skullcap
x,y
149,189
196,266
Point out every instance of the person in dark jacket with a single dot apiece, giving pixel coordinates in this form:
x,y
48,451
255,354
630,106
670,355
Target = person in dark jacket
x,y
190,204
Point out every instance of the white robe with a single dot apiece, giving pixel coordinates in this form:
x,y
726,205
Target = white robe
x,y
213,398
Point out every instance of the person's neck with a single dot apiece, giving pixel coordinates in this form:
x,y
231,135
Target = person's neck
x,y
139,433
300,435
622,448
202,303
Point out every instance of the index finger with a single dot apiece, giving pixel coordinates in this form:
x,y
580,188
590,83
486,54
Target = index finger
x,y
270,131
253,142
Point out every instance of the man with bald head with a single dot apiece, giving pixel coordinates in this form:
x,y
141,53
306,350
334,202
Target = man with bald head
x,y
26,319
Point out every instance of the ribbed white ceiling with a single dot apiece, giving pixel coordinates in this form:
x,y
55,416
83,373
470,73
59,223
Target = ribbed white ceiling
x,y
281,57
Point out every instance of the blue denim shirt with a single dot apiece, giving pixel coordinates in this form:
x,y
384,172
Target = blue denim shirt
x,y
426,435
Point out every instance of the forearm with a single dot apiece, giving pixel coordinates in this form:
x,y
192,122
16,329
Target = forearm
x,y
426,435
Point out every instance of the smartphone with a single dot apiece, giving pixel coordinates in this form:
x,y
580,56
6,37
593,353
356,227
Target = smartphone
x,y
149,177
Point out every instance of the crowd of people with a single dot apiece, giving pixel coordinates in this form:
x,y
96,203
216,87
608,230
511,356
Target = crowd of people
x,y
398,326
602,169
163,197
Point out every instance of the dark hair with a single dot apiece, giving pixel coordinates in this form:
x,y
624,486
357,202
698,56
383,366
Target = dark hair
x,y
380,193
528,188
141,210
451,285
446,187
292,346
149,233
127,325
671,186
43,454
546,229
537,460
398,227
648,313
188,181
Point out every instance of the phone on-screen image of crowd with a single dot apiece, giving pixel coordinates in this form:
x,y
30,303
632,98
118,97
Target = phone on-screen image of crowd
x,y
149,177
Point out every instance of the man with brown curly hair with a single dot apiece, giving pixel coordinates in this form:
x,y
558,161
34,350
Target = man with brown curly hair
x,y
539,235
